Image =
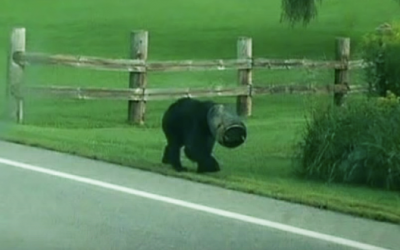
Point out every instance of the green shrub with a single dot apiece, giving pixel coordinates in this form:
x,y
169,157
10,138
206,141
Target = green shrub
x,y
381,49
356,144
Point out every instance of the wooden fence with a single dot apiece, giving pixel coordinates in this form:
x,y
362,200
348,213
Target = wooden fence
x,y
137,93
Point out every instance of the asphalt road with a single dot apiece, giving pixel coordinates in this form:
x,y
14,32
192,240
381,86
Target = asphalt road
x,y
46,204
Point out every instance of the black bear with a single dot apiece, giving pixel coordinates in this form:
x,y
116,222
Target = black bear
x,y
196,125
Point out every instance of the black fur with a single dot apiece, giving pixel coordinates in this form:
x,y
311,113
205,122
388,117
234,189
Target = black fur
x,y
185,125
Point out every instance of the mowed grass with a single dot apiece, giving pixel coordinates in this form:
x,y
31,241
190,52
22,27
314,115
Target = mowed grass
x,y
198,29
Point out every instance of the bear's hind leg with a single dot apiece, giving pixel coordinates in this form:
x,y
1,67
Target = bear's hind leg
x,y
172,156
165,158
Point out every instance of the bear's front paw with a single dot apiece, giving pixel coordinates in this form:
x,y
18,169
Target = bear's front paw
x,y
211,166
181,169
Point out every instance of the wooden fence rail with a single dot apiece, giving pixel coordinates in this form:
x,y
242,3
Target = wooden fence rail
x,y
132,65
134,94
140,94
138,66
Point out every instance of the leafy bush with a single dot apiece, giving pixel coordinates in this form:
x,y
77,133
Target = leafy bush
x,y
381,49
357,144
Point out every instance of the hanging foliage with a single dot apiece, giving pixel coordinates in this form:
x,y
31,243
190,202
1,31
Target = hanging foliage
x,y
299,11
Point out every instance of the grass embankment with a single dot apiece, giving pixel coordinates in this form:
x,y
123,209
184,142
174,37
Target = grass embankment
x,y
197,29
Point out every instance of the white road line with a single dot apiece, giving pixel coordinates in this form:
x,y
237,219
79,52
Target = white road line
x,y
198,207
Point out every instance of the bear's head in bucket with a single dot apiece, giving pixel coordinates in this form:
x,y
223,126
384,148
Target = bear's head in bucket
x,y
227,127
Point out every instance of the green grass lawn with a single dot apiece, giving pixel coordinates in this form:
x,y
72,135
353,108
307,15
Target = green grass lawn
x,y
197,29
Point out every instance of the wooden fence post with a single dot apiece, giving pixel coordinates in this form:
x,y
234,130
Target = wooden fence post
x,y
342,54
244,51
15,71
139,48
